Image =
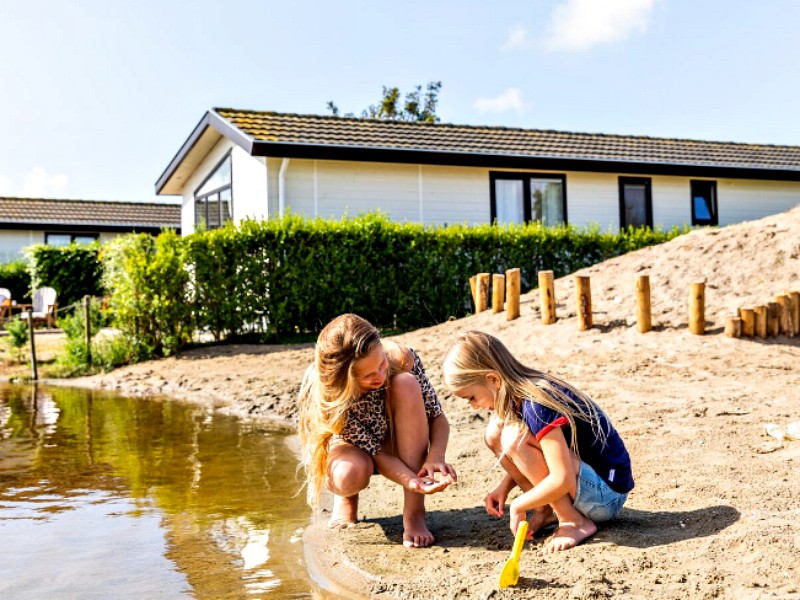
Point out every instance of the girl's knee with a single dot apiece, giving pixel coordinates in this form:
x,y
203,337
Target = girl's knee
x,y
492,437
510,439
349,476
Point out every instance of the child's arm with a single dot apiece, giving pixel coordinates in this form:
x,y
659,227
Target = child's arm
x,y
396,470
495,500
559,481
435,461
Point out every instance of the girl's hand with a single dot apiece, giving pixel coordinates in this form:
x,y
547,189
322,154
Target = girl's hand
x,y
432,466
427,485
495,501
516,516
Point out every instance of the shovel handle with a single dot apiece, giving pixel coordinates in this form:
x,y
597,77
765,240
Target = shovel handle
x,y
519,540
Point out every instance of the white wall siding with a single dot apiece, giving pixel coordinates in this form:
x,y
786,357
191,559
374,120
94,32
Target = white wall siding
x,y
745,200
448,195
249,186
14,241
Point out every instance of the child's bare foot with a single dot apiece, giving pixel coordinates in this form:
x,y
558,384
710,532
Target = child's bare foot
x,y
415,533
569,535
345,512
541,518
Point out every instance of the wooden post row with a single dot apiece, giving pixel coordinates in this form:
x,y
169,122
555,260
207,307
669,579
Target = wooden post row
x,y
547,297
498,292
697,307
795,297
643,313
583,301
512,294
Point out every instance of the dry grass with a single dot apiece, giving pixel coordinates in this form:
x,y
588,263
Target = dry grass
x,y
48,345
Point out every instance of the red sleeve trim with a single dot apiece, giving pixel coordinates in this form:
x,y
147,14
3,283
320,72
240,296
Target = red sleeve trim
x,y
559,422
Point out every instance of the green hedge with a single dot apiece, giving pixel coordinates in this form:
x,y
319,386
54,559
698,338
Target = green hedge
x,y
73,271
283,277
14,276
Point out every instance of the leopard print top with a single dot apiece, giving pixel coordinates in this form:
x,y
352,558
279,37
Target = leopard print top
x,y
367,422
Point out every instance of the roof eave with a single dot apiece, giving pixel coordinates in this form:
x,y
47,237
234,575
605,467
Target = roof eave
x,y
513,161
212,119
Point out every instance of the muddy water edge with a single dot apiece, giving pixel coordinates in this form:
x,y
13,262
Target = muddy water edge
x,y
103,496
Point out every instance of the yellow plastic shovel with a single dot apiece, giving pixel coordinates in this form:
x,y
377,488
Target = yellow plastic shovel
x,y
510,573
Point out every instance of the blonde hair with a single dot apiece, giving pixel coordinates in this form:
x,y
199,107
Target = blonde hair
x,y
328,390
474,354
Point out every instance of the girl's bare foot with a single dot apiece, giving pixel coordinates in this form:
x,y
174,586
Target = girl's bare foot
x,y
541,518
345,512
415,533
569,535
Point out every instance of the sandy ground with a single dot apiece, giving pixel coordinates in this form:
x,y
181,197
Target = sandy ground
x,y
716,508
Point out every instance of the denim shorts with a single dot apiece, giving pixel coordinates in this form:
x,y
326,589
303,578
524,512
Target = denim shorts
x,y
594,498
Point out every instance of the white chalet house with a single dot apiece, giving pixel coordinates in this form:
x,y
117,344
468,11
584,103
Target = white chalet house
x,y
239,164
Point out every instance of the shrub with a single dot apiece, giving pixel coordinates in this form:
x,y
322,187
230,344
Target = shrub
x,y
17,335
73,271
15,277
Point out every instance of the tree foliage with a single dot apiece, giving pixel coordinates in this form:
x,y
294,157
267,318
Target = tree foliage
x,y
417,105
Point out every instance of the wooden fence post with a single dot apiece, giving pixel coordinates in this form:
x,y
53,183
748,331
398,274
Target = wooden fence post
x,y
795,299
482,291
547,297
473,288
498,292
512,294
643,314
34,367
761,320
87,303
697,307
773,319
733,327
583,301
748,317
785,317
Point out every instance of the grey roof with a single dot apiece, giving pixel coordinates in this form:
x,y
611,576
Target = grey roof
x,y
89,213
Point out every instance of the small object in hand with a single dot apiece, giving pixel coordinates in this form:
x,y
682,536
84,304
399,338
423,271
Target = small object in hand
x,y
510,573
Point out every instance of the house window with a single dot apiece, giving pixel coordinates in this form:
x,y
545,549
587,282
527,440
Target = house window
x,y
65,239
635,202
521,197
704,203
213,200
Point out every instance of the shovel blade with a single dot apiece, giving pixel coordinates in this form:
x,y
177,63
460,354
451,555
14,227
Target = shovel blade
x,y
510,574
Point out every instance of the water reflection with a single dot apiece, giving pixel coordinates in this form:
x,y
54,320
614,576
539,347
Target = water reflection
x,y
106,497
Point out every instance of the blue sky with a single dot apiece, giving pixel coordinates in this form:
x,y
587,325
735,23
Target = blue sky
x,y
96,97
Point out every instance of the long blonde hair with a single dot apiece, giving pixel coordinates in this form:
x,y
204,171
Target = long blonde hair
x,y
474,354
328,391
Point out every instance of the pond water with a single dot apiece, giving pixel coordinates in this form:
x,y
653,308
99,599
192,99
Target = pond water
x,y
109,497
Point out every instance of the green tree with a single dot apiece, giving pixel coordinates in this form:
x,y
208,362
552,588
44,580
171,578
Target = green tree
x,y
417,106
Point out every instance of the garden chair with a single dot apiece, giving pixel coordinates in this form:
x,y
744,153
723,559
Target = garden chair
x,y
44,307
5,304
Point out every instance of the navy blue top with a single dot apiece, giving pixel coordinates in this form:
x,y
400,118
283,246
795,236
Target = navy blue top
x,y
610,461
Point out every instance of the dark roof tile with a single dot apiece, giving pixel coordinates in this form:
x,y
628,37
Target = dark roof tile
x,y
316,130
44,211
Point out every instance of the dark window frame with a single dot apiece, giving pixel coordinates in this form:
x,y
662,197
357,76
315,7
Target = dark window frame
x,y
525,177
72,235
712,186
648,200
204,197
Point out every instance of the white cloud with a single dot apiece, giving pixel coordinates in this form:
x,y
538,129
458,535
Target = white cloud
x,y
511,99
5,186
41,184
580,24
516,40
